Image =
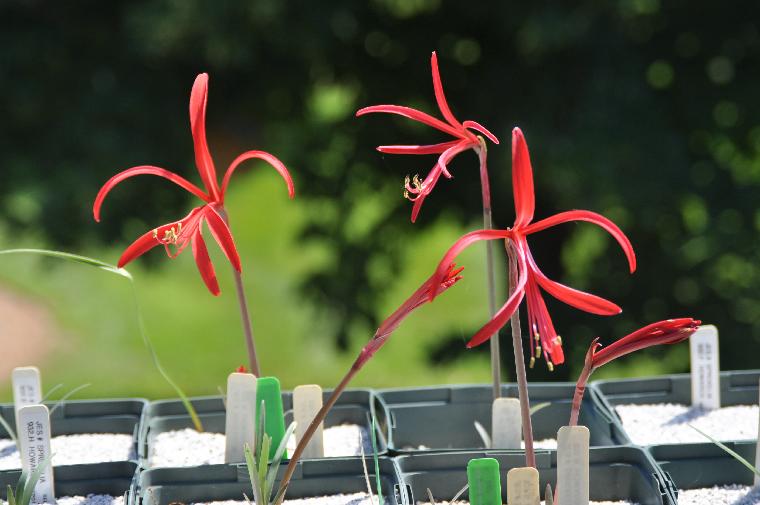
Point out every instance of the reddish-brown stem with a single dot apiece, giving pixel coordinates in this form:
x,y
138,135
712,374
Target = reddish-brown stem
x,y
580,388
320,417
485,188
522,379
245,316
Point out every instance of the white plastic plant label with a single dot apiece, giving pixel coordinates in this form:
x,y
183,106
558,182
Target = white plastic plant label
x,y
572,465
27,387
240,420
506,424
522,486
307,400
34,439
705,368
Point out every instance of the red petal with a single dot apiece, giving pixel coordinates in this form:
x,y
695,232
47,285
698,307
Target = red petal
x,y
440,98
448,155
272,160
145,243
205,267
482,129
413,114
573,297
144,170
522,180
501,317
203,160
591,217
223,237
460,245
410,149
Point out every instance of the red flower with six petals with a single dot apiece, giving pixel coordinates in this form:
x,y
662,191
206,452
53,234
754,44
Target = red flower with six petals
x,y
188,229
464,140
530,278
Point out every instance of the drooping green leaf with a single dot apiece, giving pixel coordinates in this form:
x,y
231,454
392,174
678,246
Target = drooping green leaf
x,y
9,430
731,453
376,458
68,395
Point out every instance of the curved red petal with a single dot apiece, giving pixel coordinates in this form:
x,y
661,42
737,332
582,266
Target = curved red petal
x,y
460,245
540,322
440,97
501,317
573,297
223,237
412,149
144,170
143,244
522,180
262,155
203,261
198,98
591,217
474,125
449,154
412,114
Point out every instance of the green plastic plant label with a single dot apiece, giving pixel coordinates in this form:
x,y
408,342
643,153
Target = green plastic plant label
x,y
307,400
239,424
484,481
506,424
522,486
572,465
705,368
268,390
34,440
27,387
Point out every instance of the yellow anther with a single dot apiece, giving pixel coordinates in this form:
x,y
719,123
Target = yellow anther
x,y
538,350
558,340
537,337
532,362
550,366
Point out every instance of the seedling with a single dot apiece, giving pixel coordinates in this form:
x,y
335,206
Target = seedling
x,y
261,472
24,491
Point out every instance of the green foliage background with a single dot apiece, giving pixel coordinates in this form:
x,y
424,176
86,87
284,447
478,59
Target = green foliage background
x,y
645,111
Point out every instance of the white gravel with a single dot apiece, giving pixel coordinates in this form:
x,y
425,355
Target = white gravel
x,y
187,447
668,423
336,499
76,449
720,495
90,499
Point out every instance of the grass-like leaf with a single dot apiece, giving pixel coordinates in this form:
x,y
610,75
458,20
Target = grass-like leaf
x,y
76,258
731,453
9,430
539,406
68,395
483,433
278,456
50,393
376,458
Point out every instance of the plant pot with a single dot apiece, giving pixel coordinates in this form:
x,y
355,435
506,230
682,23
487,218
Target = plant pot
x,y
355,406
312,478
441,418
617,473
736,388
79,417
115,479
693,466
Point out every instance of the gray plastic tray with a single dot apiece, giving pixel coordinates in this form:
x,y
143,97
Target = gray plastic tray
x,y
617,473
316,477
89,416
441,418
691,466
736,388
355,406
114,479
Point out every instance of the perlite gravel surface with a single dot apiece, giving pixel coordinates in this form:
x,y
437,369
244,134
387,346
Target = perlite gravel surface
x,y
720,495
90,499
337,499
76,449
668,423
189,448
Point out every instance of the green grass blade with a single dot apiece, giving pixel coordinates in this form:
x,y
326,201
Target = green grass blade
x,y
484,436
9,430
538,406
11,497
264,463
733,454
68,395
31,482
375,457
278,455
72,257
250,462
50,393
261,431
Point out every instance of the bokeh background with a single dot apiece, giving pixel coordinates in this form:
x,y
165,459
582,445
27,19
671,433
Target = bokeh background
x,y
645,111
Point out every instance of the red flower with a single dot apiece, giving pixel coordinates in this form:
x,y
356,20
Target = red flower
x,y
418,298
188,229
530,277
241,369
670,331
417,190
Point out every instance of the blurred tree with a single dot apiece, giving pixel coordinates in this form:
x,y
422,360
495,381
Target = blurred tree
x,y
643,110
